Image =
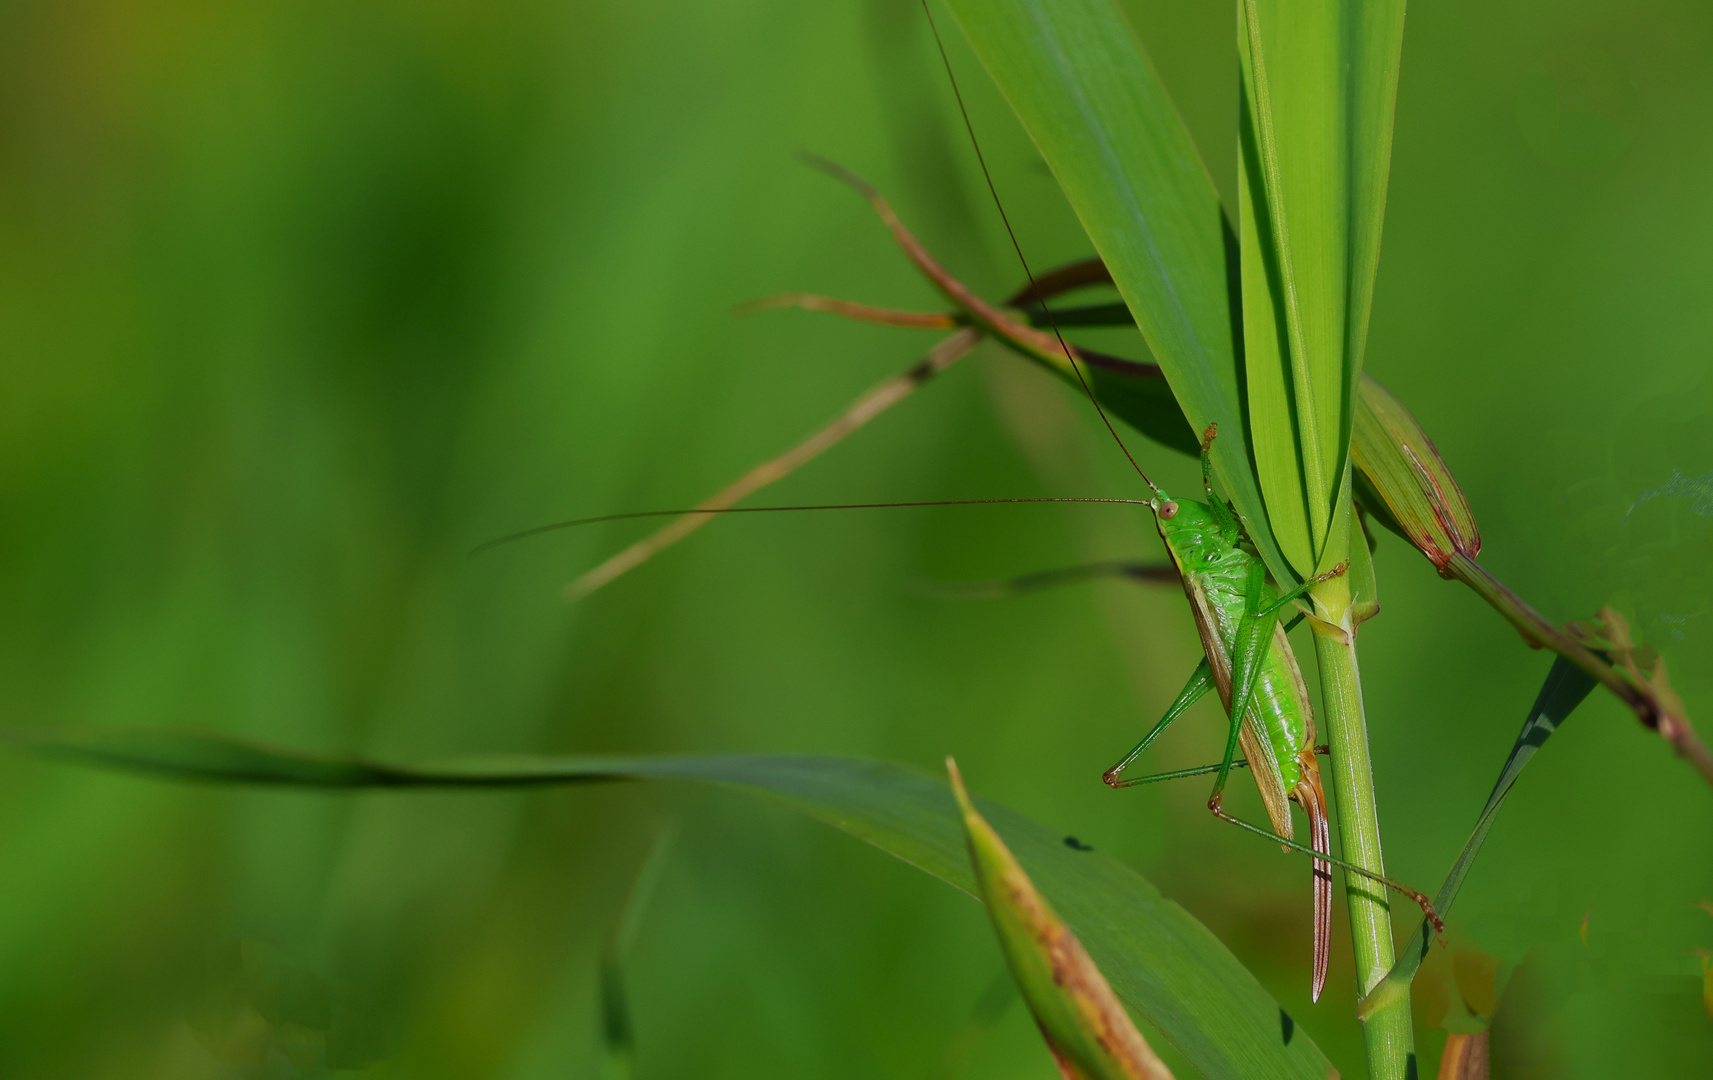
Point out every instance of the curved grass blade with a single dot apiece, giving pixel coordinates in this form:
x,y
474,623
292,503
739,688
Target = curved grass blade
x,y
1080,82
1566,687
1160,960
618,1034
1088,1031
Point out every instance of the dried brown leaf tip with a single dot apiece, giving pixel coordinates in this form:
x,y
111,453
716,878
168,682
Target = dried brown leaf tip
x,y
1403,473
1644,665
1465,1057
1086,1028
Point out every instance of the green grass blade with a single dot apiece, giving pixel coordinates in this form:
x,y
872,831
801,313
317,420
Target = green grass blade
x,y
1160,961
618,1033
1088,95
1566,687
1375,30
1292,262
1319,84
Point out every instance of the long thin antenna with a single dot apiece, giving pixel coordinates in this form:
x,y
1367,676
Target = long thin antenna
x,y
1017,247
510,537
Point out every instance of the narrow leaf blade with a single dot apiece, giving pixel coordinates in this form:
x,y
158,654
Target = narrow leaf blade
x,y
1566,687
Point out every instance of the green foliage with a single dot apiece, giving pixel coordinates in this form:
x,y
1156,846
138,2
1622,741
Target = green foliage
x,y
305,301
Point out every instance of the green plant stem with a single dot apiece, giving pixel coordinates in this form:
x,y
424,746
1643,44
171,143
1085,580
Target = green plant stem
x,y
1387,1033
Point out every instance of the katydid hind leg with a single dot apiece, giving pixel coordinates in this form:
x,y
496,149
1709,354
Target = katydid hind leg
x,y
1236,732
1200,682
1421,900
1199,770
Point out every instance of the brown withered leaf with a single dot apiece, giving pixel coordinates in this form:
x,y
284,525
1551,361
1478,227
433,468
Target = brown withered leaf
x,y
1465,1057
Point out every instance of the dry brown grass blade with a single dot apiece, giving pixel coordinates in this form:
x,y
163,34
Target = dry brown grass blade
x,y
910,320
1062,279
1035,342
876,401
1640,683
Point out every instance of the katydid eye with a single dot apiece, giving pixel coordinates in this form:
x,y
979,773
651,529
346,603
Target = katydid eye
x,y
1168,510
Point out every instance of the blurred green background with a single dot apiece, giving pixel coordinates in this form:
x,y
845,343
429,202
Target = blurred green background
x,y
303,300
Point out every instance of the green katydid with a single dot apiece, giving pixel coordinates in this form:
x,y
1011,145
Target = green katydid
x,y
1249,658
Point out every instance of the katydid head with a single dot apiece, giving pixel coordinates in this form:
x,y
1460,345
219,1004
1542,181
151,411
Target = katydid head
x,y
1177,517
1189,528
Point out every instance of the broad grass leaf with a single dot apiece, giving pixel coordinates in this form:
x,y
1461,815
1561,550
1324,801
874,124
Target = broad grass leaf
x,y
1319,82
1161,962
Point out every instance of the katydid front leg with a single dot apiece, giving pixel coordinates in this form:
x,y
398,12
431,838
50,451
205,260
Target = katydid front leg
x,y
1200,682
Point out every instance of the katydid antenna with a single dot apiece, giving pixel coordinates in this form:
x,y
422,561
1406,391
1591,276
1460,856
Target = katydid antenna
x,y
557,525
1017,247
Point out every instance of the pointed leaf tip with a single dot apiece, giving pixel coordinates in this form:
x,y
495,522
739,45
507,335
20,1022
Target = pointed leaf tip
x,y
1088,1031
1404,481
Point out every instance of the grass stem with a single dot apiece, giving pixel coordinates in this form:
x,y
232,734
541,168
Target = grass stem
x,y
1388,1035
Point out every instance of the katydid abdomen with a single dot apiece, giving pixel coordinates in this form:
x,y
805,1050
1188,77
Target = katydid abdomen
x,y
1280,720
